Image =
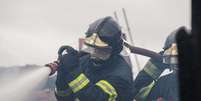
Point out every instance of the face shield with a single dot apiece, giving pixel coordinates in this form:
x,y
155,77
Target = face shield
x,y
97,53
98,50
170,56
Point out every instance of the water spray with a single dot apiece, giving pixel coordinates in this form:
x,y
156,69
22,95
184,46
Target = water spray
x,y
21,88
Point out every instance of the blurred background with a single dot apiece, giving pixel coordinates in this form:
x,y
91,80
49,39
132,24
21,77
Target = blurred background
x,y
31,31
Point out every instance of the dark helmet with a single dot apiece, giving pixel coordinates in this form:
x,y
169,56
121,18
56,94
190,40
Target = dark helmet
x,y
105,32
170,54
170,40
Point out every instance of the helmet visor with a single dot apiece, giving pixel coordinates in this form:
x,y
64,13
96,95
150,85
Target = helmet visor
x,y
170,55
97,53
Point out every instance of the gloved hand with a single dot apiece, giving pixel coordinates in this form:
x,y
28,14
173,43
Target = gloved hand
x,y
68,59
53,66
68,62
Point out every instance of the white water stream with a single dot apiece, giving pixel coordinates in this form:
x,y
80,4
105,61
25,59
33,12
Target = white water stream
x,y
21,87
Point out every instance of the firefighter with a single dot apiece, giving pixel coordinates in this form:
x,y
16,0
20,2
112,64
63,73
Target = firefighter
x,y
150,85
101,74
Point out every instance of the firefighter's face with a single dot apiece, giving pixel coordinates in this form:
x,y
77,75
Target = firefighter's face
x,y
170,56
99,54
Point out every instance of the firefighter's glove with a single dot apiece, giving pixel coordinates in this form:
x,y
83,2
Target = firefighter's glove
x,y
68,59
53,66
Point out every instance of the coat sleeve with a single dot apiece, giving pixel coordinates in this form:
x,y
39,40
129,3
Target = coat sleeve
x,y
114,86
110,89
146,78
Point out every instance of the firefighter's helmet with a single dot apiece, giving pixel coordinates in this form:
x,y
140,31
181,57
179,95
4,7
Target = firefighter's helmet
x,y
105,33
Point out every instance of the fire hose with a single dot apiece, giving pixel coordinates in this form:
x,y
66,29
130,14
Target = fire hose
x,y
136,50
144,52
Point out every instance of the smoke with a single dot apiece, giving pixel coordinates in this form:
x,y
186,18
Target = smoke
x,y
21,87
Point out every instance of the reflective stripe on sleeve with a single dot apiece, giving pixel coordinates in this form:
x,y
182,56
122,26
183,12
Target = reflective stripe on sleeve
x,y
77,99
144,92
79,83
108,88
152,70
66,92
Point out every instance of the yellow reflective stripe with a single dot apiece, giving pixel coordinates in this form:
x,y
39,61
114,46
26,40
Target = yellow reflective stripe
x,y
108,88
77,99
80,82
66,92
151,70
144,92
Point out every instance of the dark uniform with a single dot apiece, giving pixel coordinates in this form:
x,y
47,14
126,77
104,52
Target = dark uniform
x,y
149,86
166,88
79,78
146,79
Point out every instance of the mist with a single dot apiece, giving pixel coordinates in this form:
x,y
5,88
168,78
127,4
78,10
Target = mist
x,y
21,87
31,31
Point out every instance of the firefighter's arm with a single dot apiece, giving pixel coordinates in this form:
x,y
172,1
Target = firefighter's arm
x,y
103,90
150,72
146,78
68,62
73,84
154,68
